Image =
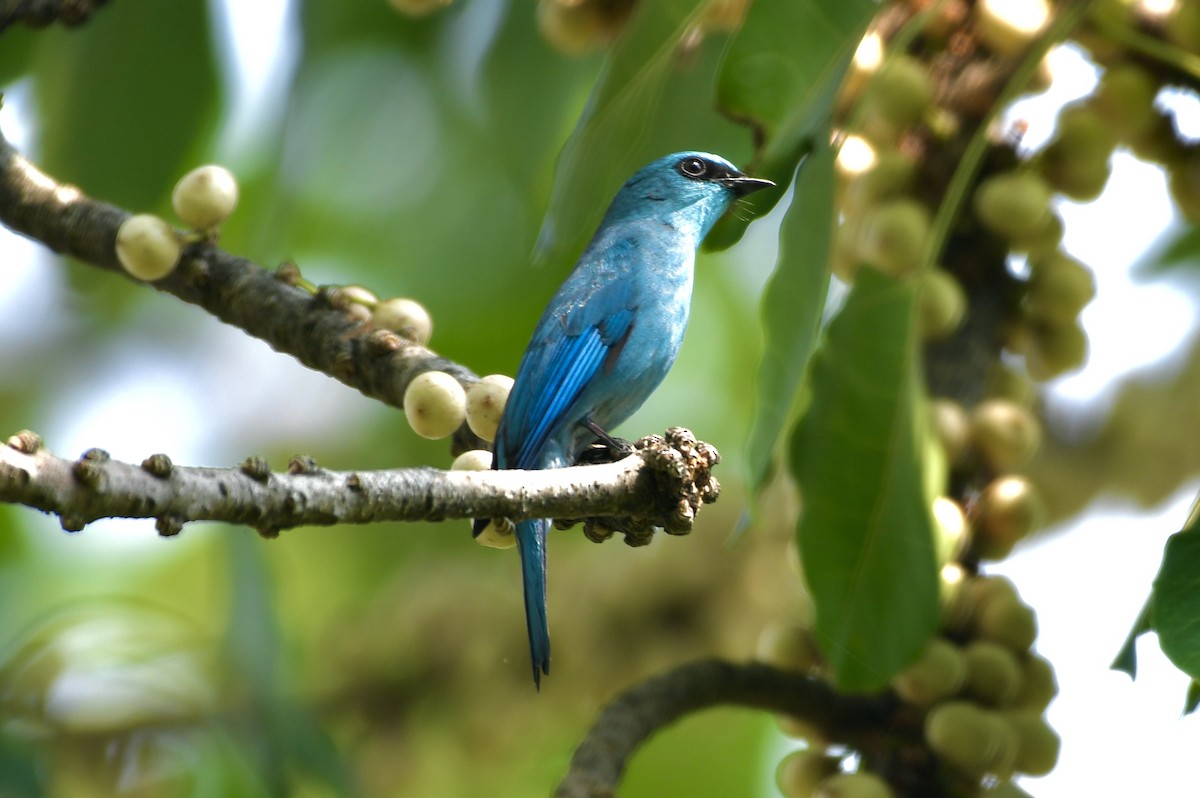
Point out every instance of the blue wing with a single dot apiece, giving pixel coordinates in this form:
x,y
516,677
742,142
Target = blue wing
x,y
576,339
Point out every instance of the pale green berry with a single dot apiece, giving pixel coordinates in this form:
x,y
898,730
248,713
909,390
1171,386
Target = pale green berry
x,y
1037,744
485,404
893,237
993,673
494,535
497,535
939,672
472,460
1007,27
972,739
1013,204
900,90
801,771
1008,622
405,316
205,197
788,645
941,304
854,785
1039,684
148,247
435,404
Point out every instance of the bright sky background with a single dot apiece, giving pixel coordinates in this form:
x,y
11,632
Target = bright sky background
x,y
1120,738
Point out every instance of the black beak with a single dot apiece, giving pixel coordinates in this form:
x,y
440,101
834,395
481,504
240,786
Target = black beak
x,y
742,184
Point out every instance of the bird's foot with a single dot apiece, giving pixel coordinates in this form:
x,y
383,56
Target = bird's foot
x,y
617,448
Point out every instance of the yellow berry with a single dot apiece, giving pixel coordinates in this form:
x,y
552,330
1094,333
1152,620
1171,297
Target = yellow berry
x,y
148,247
1007,27
435,404
1007,510
205,197
1006,434
951,528
952,426
485,404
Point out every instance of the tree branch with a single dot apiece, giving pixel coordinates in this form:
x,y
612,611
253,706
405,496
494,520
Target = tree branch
x,y
663,483
635,716
265,304
40,13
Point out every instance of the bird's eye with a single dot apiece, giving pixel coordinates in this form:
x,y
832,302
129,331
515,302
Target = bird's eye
x,y
693,167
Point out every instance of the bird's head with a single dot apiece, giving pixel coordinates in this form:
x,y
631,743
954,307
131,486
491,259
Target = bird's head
x,y
690,187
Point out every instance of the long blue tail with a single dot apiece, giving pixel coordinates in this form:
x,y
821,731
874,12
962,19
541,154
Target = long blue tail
x,y
531,541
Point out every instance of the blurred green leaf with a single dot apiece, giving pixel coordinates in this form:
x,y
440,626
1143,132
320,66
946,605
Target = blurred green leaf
x,y
781,73
613,129
289,737
1126,659
791,308
866,534
16,46
126,99
1176,600
123,103
707,755
1192,700
1182,250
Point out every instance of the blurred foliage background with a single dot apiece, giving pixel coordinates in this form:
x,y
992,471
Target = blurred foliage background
x,y
434,150
415,156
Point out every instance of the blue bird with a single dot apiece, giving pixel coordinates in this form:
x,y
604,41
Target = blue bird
x,y
609,336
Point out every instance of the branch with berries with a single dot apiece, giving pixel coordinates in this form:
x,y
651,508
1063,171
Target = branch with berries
x,y
374,345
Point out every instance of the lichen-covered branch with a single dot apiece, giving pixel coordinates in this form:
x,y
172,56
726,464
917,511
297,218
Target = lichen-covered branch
x,y
638,714
662,483
40,13
265,304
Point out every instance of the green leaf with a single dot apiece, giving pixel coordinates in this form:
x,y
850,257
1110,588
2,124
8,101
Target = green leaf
x,y
781,73
1192,699
612,133
866,534
126,99
1126,659
791,308
1182,250
1175,600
